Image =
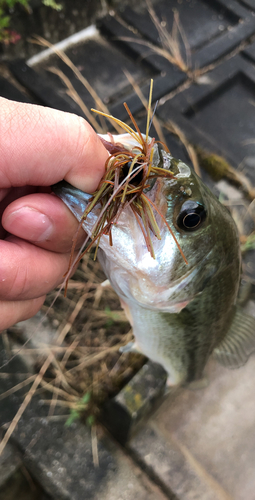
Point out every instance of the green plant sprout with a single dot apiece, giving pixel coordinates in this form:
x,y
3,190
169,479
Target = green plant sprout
x,y
249,244
80,406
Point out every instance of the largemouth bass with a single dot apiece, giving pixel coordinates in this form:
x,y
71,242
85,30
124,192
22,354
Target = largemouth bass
x,y
180,313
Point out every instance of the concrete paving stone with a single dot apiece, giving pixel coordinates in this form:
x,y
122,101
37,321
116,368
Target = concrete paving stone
x,y
169,466
61,459
201,444
10,461
202,103
248,3
124,412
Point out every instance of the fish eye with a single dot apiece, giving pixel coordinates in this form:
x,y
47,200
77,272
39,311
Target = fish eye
x,y
191,216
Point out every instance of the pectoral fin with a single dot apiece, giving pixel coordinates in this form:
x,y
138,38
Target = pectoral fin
x,y
239,342
130,347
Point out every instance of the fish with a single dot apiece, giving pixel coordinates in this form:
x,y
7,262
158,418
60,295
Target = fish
x,y
182,310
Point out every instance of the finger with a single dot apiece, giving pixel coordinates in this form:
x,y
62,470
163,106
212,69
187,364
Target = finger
x,y
14,311
44,220
27,271
41,146
9,196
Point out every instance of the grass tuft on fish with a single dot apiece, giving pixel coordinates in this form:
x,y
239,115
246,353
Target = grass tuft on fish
x,y
148,212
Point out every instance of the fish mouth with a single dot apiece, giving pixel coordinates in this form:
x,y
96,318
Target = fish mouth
x,y
172,307
179,294
166,299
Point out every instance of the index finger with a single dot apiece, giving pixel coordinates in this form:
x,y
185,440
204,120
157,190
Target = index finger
x,y
40,146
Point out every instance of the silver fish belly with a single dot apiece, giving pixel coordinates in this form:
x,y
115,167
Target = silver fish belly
x,y
180,313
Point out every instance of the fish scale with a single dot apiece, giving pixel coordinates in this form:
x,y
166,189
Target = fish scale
x,y
155,338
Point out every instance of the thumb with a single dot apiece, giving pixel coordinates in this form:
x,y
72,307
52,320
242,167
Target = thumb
x,y
40,146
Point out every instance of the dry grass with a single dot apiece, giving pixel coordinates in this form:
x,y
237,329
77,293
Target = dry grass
x,y
84,359
175,48
156,123
172,41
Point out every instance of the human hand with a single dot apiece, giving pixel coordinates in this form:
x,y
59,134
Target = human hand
x,y
39,147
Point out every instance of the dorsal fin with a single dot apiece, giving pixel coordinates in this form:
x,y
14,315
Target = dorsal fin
x,y
239,343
